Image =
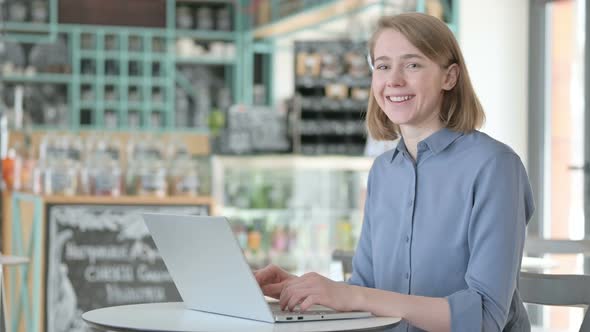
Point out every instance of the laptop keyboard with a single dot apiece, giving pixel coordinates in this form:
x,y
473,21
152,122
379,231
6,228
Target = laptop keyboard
x,y
276,309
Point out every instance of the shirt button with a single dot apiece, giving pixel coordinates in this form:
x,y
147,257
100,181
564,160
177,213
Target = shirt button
x,y
407,238
411,202
407,276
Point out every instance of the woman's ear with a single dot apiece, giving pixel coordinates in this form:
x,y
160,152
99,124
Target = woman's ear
x,y
451,76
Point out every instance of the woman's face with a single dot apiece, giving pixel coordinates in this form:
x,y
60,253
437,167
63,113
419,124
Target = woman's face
x,y
406,84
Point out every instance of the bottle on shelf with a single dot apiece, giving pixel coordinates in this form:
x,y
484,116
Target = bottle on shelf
x,y
103,169
39,11
204,18
152,172
10,171
60,178
29,176
184,17
183,174
60,163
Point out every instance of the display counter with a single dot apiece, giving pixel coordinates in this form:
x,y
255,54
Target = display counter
x,y
85,253
293,211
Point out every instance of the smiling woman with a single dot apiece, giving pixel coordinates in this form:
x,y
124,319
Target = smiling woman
x,y
426,54
407,86
444,206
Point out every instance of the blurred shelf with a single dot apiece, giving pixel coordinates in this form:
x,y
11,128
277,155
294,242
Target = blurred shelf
x,y
158,107
353,163
112,79
88,79
230,212
12,26
87,104
49,128
324,105
206,60
87,54
37,78
122,200
134,105
192,130
111,104
131,80
332,114
113,29
127,62
126,130
319,82
206,34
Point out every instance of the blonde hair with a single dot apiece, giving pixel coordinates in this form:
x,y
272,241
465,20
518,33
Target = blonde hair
x,y
461,110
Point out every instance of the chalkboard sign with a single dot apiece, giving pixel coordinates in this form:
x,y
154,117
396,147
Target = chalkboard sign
x,y
100,256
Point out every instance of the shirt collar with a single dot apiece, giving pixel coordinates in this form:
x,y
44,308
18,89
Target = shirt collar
x,y
441,139
400,148
436,142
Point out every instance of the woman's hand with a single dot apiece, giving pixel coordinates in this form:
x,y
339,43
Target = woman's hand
x,y
312,288
272,280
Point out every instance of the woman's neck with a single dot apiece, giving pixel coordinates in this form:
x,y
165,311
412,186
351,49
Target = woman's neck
x,y
415,134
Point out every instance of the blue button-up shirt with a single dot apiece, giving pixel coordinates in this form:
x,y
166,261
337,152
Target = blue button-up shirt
x,y
451,224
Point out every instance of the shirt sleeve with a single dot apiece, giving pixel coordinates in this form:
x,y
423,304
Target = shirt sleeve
x,y
362,261
502,206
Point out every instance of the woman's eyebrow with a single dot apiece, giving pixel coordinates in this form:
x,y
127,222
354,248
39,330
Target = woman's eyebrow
x,y
402,57
411,56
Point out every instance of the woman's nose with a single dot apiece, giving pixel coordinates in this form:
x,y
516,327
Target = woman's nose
x,y
395,79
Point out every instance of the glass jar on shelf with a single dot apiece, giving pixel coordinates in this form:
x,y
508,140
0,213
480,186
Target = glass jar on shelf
x,y
146,173
105,179
60,178
102,174
37,178
28,175
183,178
131,177
151,180
48,147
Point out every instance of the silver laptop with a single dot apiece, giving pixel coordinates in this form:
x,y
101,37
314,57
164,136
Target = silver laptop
x,y
211,273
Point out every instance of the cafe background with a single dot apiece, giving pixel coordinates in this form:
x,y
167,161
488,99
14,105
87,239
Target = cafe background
x,y
252,110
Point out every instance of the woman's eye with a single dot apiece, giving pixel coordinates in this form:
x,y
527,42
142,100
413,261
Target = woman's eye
x,y
381,67
412,65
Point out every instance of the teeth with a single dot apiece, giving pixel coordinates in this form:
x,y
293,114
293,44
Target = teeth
x,y
398,98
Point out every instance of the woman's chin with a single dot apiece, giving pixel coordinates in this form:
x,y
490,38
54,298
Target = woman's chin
x,y
398,118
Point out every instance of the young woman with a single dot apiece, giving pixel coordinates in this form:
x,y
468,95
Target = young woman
x,y
446,210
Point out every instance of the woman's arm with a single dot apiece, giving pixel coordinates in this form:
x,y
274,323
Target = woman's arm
x,y
427,313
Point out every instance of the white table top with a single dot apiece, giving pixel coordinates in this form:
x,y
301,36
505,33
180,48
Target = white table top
x,y
174,317
12,260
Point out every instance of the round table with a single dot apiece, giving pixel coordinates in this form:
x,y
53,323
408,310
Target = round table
x,y
175,317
